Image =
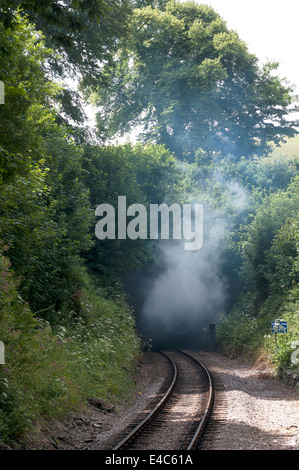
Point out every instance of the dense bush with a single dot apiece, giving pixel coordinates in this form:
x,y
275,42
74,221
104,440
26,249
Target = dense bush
x,y
68,330
269,249
50,371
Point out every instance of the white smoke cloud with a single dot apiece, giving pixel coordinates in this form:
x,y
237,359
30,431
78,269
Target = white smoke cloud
x,y
190,291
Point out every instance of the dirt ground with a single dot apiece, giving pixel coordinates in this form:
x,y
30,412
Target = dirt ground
x,y
255,411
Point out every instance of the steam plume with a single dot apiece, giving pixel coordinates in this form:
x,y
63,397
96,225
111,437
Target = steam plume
x,y
190,291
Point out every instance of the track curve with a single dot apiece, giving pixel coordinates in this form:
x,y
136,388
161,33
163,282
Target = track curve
x,y
180,418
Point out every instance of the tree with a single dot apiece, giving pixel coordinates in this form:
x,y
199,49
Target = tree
x,y
29,95
270,242
44,205
194,84
145,175
84,35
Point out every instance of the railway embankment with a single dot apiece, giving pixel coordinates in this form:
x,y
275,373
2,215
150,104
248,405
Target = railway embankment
x,y
257,410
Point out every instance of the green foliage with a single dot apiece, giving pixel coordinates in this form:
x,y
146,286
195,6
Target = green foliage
x,y
80,342
268,244
44,207
49,371
45,220
11,304
194,84
247,329
145,175
280,351
274,214
239,329
77,344
83,34
283,257
68,331
28,93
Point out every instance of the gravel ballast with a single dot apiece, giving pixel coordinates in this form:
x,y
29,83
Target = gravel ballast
x,y
262,413
254,411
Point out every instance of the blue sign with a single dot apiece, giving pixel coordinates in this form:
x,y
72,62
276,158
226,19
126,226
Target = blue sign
x,y
279,327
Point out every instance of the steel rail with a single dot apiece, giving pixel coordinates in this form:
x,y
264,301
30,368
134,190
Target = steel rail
x,y
139,428
208,407
204,418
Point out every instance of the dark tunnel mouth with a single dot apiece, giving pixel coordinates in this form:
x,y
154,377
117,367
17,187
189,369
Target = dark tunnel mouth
x,y
195,336
170,326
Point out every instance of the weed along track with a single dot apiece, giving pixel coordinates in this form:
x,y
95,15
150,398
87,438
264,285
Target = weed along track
x,y
179,419
247,408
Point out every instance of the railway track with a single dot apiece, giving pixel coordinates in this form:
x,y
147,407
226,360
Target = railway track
x,y
179,419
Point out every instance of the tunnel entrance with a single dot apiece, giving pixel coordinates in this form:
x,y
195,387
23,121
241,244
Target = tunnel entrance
x,y
201,339
179,329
